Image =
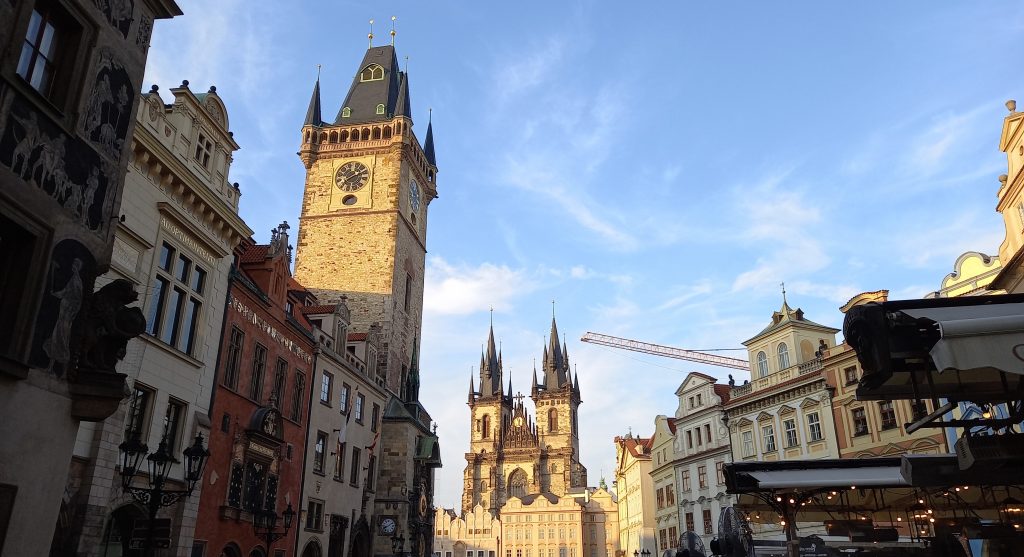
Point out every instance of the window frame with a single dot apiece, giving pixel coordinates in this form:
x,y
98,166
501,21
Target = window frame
x,y
790,432
783,355
173,285
813,427
326,388
887,412
233,362
359,407
353,478
70,61
320,452
768,436
172,437
858,417
141,419
684,479
258,372
298,390
748,443
314,515
762,364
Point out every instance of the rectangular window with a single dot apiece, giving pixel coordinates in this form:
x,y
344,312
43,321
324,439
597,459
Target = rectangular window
x,y
748,443
315,515
708,526
660,498
172,425
860,422
339,461
789,427
689,521
720,472
689,439
343,400
408,290
707,433
298,389
48,48
360,400
919,408
234,358
204,148
670,495
673,535
662,540
259,366
177,300
353,477
850,374
686,480
888,414
813,427
768,433
318,452
138,413
375,417
325,388
696,433
702,476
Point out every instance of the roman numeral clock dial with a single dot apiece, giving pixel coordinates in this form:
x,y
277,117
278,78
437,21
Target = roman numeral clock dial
x,y
351,176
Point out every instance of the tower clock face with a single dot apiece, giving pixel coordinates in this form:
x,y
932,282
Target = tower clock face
x,y
387,526
351,176
414,195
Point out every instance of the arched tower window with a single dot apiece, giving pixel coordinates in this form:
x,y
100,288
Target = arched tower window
x,y
552,420
346,112
486,433
380,109
762,364
373,72
783,356
517,483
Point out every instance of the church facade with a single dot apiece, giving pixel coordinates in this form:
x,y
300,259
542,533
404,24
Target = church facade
x,y
525,490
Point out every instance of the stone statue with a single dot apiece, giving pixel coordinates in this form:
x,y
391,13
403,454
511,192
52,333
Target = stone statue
x,y
109,324
732,382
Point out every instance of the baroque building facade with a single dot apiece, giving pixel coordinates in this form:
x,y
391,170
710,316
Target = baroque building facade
x,y
1010,203
70,73
524,490
175,246
633,485
362,235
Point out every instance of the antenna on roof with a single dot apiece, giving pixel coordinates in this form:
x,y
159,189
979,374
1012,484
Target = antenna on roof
x,y
393,18
370,36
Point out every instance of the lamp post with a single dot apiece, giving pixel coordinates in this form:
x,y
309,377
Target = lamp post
x,y
398,544
642,553
264,523
155,496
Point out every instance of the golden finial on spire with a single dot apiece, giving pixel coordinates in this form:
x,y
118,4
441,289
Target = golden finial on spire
x,y
370,36
393,18
318,72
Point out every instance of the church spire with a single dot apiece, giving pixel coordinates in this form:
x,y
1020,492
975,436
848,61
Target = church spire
x,y
554,360
472,391
428,143
533,388
313,112
412,386
490,368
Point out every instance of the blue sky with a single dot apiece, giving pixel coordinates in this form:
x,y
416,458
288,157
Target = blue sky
x,y
657,170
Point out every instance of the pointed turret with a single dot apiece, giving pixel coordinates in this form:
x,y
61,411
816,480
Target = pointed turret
x,y
472,391
533,388
379,90
490,368
428,143
313,112
576,384
402,105
554,361
412,384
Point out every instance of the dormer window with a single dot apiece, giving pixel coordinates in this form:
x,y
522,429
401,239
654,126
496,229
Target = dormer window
x,y
380,109
204,148
373,72
346,112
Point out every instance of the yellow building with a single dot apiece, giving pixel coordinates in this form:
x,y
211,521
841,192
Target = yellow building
x,y
635,489
867,429
1011,203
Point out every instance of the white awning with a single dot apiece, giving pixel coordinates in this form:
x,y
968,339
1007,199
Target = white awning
x,y
978,337
888,476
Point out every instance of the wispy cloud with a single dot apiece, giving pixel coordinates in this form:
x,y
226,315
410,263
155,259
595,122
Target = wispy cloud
x,y
462,289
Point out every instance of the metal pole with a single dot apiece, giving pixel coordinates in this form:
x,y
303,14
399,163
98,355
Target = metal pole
x,y
154,506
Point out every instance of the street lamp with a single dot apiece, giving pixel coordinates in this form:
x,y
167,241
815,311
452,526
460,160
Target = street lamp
x,y
642,553
155,496
264,523
398,544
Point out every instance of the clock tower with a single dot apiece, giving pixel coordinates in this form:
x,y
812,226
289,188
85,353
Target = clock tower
x,y
363,227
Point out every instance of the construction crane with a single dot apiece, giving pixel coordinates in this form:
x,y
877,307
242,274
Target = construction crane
x,y
666,351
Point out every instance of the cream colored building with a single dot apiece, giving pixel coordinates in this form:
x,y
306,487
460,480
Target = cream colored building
x,y
635,490
663,477
785,412
703,447
175,244
1011,203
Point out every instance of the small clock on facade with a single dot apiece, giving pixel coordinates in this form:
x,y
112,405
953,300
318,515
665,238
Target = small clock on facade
x,y
388,525
351,176
414,195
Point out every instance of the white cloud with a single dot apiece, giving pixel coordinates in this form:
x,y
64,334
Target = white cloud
x,y
528,69
463,289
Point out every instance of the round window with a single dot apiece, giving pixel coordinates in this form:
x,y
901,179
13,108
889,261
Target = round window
x,y
349,200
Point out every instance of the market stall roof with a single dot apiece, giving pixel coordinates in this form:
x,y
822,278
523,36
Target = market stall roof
x,y
878,489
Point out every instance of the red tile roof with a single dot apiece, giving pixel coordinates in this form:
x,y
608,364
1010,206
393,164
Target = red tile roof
x,y
723,392
637,446
317,310
357,336
254,254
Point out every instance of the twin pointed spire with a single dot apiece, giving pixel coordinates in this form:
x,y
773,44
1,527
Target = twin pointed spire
x,y
313,117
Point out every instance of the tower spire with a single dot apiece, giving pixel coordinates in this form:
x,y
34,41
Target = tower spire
x,y
370,35
313,112
428,143
393,18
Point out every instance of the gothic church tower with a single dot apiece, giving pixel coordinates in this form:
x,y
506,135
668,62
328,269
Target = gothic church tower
x,y
363,227
511,454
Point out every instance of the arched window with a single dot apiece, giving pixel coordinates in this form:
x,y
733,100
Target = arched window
x,y
517,483
366,134
486,427
373,72
334,137
376,133
387,132
380,109
783,355
344,135
552,420
346,112
762,364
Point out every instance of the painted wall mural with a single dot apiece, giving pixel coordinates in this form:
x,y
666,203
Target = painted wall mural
x,y
63,166
71,276
108,112
118,13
